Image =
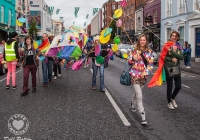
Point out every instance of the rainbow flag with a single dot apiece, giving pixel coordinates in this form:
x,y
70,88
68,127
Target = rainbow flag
x,y
160,75
44,46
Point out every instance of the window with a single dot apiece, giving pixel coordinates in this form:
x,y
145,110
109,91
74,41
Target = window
x,y
197,5
182,7
148,23
181,40
2,14
168,33
9,16
169,8
113,7
155,17
119,6
105,8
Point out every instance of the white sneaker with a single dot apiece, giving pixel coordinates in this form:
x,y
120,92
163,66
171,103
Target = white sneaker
x,y
55,77
174,104
59,75
132,108
143,119
52,73
170,105
84,66
87,65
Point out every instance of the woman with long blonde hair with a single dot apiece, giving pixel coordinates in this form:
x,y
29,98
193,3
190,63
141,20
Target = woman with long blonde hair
x,y
141,59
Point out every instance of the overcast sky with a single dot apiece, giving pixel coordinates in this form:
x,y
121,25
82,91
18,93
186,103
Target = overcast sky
x,y
67,8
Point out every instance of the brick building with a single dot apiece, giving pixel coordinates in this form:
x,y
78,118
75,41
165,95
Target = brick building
x,y
108,9
128,23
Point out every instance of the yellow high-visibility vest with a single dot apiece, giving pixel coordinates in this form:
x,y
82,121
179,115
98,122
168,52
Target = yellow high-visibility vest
x,y
10,51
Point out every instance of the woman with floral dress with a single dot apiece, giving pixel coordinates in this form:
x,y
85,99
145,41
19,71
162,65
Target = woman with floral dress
x,y
141,59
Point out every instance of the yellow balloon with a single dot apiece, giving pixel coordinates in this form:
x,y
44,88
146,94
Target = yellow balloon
x,y
19,23
118,13
104,40
115,47
125,55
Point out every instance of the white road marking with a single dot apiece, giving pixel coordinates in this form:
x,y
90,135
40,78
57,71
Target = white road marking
x,y
10,75
119,112
185,86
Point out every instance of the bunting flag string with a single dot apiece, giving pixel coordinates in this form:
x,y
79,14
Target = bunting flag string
x,y
85,23
76,11
95,10
73,23
57,11
87,16
51,10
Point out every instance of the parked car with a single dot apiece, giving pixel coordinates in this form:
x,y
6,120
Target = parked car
x,y
123,48
2,67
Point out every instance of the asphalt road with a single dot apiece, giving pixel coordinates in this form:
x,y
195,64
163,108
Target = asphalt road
x,y
69,110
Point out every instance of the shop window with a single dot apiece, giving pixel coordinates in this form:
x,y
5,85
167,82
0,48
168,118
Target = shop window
x,y
155,17
181,40
9,16
148,15
168,34
2,14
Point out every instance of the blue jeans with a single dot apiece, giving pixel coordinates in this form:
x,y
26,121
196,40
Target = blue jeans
x,y
95,69
47,71
188,61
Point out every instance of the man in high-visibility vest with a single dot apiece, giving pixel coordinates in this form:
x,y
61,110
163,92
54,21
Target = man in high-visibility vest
x,y
11,56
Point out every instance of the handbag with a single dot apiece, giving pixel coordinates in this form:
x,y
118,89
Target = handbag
x,y
125,78
173,71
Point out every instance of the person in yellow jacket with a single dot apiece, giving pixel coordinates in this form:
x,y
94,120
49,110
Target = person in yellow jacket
x,y
11,56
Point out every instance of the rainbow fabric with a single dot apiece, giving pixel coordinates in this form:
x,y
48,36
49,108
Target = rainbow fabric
x,y
160,75
44,46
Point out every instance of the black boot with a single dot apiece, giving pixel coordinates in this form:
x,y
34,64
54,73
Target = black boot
x,y
24,93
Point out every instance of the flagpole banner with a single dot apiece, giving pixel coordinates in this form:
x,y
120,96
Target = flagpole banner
x,y
51,10
87,16
57,11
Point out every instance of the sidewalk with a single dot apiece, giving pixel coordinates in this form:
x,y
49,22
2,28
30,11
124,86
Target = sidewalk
x,y
195,67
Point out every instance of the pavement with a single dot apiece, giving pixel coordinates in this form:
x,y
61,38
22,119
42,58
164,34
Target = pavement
x,y
195,67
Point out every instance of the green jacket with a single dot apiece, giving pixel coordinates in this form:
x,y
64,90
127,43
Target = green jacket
x,y
172,54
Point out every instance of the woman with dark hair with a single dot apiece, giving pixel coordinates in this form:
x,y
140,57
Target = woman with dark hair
x,y
172,60
30,65
141,59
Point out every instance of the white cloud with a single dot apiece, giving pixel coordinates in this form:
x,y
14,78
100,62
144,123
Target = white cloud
x,y
67,8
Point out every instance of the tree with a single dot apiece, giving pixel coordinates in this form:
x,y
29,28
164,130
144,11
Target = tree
x,y
114,29
33,30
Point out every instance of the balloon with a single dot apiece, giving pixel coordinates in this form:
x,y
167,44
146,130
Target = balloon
x,y
107,31
115,47
99,60
19,23
104,40
119,23
118,13
117,40
125,55
22,20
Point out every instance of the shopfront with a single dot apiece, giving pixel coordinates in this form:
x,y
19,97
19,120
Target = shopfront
x,y
5,31
154,37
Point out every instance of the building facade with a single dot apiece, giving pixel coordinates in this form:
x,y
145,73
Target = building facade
x,y
57,26
22,10
39,11
152,16
108,9
88,30
138,21
184,19
96,25
128,19
7,18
